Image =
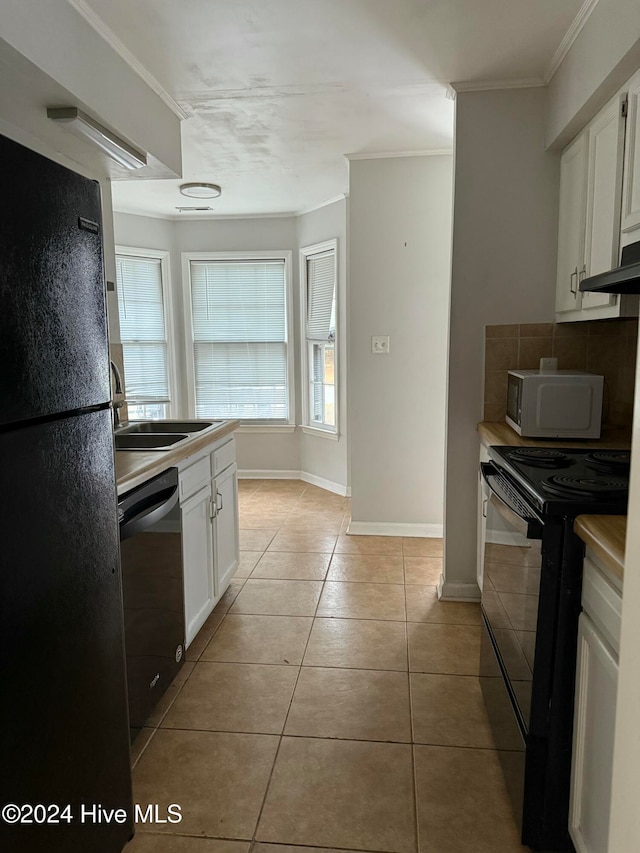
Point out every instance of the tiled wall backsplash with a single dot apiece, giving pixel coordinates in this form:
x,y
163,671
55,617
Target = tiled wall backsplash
x,y
607,347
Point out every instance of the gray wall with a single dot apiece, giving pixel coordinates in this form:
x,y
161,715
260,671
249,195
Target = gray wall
x,y
399,253
503,271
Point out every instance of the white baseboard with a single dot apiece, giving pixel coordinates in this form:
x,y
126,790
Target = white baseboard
x,y
277,474
384,528
458,591
267,474
329,485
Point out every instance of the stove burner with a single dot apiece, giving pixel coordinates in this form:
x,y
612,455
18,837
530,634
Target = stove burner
x,y
540,457
600,488
609,461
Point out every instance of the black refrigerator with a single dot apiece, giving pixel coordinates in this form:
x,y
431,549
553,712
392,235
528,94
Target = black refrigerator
x,y
64,724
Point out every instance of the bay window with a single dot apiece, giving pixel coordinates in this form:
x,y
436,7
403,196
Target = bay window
x,y
142,285
318,298
239,356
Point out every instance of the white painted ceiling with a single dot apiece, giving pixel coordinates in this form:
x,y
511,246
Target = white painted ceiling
x,y
278,91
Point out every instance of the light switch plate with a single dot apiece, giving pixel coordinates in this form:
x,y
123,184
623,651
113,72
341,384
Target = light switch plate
x,y
380,344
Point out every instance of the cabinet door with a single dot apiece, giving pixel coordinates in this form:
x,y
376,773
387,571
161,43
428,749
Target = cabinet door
x,y
573,187
594,726
197,556
225,527
604,191
631,188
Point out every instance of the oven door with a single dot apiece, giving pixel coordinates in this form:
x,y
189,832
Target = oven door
x,y
511,587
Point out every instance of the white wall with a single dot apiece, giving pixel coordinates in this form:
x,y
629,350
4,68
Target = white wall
x,y
399,250
503,271
319,456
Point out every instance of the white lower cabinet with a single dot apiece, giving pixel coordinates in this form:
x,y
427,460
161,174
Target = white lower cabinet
x,y
210,539
595,711
225,533
197,560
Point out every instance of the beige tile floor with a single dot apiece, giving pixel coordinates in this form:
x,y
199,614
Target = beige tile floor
x,y
330,701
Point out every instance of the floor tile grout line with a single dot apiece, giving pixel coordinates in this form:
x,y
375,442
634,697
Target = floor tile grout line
x,y
284,725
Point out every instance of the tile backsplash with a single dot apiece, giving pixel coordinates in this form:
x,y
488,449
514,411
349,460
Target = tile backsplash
x,y
607,347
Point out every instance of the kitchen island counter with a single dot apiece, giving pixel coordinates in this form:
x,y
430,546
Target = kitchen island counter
x,y
134,467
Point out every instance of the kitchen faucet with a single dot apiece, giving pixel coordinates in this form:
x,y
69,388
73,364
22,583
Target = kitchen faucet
x,y
117,405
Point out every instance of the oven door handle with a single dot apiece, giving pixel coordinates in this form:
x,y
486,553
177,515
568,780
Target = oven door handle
x,y
148,512
528,526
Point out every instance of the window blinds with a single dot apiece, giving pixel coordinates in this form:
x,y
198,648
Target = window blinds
x,y
142,328
320,297
239,339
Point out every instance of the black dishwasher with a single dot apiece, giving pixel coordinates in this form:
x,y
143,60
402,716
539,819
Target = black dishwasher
x,y
153,592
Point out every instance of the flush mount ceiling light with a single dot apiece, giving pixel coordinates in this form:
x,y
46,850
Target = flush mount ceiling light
x,y
192,209
200,190
83,125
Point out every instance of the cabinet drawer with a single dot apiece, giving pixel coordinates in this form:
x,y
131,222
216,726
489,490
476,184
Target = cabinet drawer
x,y
224,456
194,477
603,603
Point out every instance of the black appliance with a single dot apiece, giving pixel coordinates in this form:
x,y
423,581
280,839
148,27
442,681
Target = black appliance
x,y
64,726
624,279
153,591
531,591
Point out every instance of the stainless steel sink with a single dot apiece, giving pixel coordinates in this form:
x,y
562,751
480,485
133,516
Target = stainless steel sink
x,y
159,441
166,427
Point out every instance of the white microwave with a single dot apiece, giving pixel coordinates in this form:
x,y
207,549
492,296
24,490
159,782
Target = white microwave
x,y
554,404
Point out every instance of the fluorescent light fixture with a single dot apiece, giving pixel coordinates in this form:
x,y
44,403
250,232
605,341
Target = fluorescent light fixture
x,y
83,125
201,190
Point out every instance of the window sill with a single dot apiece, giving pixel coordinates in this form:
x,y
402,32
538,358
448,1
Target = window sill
x,y
324,433
266,428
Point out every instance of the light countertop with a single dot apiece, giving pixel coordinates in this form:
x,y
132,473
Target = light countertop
x,y
134,467
605,535
500,433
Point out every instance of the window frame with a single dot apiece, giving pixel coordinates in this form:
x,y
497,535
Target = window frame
x,y
307,425
287,256
165,273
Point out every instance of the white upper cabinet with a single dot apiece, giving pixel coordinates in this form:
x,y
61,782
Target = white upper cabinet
x,y
573,193
591,188
605,141
631,189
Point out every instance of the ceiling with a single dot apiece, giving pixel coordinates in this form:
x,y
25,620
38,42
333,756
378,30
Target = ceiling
x,y
276,92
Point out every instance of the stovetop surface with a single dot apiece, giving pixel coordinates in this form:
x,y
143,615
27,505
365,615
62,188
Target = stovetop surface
x,y
561,481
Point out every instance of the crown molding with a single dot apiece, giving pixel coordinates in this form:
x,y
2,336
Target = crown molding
x,y
491,85
336,198
383,155
569,37
95,21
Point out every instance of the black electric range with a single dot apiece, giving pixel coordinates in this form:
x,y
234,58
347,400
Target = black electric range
x,y
531,593
570,482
